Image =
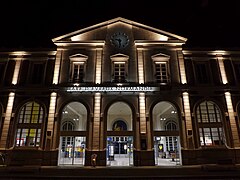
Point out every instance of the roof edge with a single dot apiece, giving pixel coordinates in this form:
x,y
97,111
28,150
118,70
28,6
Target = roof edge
x,y
122,20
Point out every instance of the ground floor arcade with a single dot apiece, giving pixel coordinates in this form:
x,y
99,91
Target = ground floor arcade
x,y
136,130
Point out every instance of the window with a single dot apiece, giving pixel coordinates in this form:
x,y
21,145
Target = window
x,y
161,72
78,68
78,72
119,125
171,126
29,125
37,74
161,69
68,126
2,71
201,71
119,68
119,72
171,141
237,70
209,124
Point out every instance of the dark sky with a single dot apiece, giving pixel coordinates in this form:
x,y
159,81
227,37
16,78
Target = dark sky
x,y
205,23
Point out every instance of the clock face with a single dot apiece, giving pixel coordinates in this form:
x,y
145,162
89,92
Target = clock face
x,y
119,40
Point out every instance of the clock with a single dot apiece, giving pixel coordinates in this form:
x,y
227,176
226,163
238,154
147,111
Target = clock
x,y
119,40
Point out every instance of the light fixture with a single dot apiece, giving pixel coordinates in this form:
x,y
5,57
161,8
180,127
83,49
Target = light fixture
x,y
163,118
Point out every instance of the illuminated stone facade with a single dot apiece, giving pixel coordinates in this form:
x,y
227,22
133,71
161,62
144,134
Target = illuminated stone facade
x,y
124,91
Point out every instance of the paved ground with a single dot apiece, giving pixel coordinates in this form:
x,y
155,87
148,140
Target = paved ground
x,y
205,172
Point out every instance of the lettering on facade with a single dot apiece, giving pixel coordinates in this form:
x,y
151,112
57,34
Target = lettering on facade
x,y
112,89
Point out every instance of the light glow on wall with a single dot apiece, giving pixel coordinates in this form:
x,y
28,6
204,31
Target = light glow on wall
x,y
16,72
96,121
79,37
57,67
161,37
187,110
51,112
7,120
232,119
222,69
99,66
182,68
142,113
93,43
140,66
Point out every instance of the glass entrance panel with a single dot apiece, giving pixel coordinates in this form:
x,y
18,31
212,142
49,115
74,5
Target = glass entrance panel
x,y
167,151
119,151
72,150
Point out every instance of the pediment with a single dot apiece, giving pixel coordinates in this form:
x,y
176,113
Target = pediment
x,y
98,33
119,57
160,57
78,57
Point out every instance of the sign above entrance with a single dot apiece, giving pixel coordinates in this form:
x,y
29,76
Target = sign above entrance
x,y
112,89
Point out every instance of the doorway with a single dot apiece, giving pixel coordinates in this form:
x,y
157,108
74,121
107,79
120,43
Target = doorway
x,y
167,151
119,151
72,150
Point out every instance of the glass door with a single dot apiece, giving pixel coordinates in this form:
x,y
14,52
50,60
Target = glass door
x,y
72,150
119,151
166,150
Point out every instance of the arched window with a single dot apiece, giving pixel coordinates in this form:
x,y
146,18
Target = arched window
x,y
29,125
68,126
209,123
171,141
119,125
170,126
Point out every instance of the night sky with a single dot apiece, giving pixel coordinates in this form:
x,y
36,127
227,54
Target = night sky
x,y
205,23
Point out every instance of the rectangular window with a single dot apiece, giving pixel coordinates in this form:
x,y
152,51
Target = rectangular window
x,y
237,70
119,72
37,73
211,136
28,137
2,71
78,72
201,72
161,72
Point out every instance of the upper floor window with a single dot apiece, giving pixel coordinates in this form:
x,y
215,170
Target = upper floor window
x,y
119,67
161,69
78,68
201,71
78,71
237,70
37,73
209,123
2,71
119,72
29,125
161,73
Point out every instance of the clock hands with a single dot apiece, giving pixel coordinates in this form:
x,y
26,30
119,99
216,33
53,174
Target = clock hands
x,y
119,41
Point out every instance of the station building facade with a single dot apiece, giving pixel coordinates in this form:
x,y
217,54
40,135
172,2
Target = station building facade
x,y
121,90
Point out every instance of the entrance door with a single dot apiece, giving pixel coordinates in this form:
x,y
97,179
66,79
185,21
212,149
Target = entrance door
x,y
72,150
167,151
119,150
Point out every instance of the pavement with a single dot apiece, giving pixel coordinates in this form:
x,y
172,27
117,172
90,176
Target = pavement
x,y
196,172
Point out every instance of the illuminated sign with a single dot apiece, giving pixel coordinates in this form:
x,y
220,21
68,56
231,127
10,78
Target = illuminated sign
x,y
112,89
